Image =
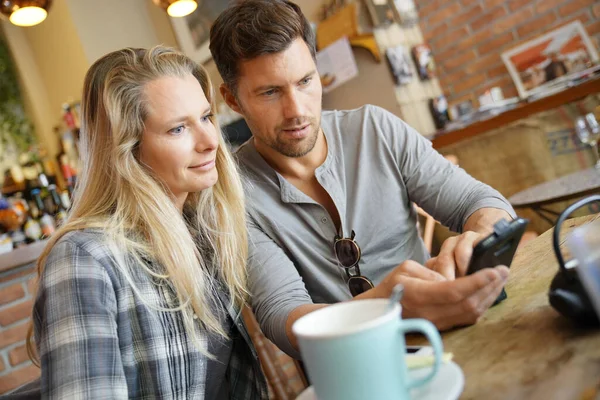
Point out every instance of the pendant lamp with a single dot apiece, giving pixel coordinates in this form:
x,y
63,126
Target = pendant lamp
x,y
25,12
177,8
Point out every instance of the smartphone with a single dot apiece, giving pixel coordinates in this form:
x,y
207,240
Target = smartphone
x,y
498,248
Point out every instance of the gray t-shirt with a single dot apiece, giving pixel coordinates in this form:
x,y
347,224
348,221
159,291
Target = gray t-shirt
x,y
376,167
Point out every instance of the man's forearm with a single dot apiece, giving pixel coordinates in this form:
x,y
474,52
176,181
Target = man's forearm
x,y
295,315
483,220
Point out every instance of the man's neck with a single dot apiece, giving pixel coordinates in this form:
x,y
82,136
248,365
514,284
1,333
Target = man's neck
x,y
296,168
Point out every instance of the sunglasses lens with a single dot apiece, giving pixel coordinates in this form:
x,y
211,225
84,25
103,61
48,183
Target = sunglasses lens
x,y
358,285
347,252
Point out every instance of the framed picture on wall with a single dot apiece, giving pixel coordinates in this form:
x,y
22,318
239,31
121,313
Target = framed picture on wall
x,y
551,59
399,62
193,31
382,12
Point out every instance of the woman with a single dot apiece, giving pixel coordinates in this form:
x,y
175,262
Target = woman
x,y
140,290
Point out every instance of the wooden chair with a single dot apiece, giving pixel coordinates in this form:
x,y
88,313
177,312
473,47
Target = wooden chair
x,y
282,385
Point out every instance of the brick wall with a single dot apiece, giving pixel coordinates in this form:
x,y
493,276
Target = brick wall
x,y
467,37
16,300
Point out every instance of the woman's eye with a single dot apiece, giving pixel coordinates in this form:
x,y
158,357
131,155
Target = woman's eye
x,y
206,118
177,130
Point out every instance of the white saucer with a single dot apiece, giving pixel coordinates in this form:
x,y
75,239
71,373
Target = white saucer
x,y
448,384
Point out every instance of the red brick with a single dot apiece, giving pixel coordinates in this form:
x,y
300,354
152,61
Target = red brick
x,y
512,20
473,40
467,42
454,77
582,17
16,313
444,14
466,16
496,44
451,38
440,30
516,4
11,293
495,72
484,63
427,9
32,286
593,28
15,275
545,5
444,55
18,355
596,10
509,91
487,18
489,4
573,6
459,99
467,3
499,82
13,335
539,24
18,378
459,61
469,83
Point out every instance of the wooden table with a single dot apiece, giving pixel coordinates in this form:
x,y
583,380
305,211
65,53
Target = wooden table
x,y
522,348
578,184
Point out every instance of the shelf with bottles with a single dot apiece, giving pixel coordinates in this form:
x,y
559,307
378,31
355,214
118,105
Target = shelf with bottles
x,y
36,163
31,216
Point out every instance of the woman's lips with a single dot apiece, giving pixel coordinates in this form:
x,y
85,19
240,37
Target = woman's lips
x,y
204,166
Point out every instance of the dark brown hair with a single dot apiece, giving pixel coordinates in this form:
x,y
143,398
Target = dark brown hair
x,y
251,28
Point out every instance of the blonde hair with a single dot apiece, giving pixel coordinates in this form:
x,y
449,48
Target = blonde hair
x,y
120,195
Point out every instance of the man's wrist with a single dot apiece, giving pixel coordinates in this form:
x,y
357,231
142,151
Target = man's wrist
x,y
482,221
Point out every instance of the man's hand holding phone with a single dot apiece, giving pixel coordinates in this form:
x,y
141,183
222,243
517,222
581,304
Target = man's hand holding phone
x,y
458,286
470,252
446,303
455,255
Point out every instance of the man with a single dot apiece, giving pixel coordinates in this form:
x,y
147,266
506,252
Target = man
x,y
327,188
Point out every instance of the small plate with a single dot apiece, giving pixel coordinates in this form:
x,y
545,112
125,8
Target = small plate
x,y
448,384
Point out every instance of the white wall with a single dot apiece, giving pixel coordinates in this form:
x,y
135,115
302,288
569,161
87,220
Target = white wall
x,y
108,25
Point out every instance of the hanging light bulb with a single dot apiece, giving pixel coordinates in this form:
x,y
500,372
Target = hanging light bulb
x,y
177,8
25,12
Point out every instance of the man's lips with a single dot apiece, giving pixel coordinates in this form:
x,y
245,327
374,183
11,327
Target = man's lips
x,y
299,132
296,128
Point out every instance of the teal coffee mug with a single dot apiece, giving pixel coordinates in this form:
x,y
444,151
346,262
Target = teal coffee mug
x,y
356,350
